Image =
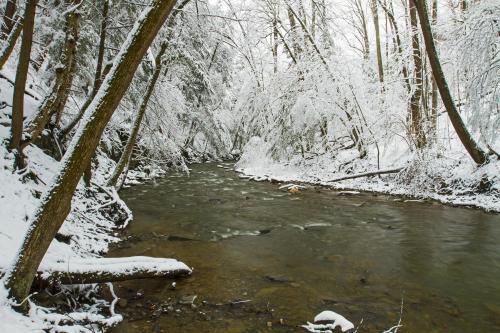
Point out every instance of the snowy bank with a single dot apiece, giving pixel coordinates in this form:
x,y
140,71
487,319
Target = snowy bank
x,y
448,178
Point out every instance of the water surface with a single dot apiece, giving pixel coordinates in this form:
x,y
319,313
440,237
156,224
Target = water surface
x,y
266,260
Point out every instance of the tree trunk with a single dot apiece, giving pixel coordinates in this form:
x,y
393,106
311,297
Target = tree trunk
x,y
11,41
416,118
434,94
380,64
99,73
56,202
54,104
20,84
129,146
476,153
8,18
102,48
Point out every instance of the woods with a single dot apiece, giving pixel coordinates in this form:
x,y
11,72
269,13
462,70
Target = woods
x,y
378,95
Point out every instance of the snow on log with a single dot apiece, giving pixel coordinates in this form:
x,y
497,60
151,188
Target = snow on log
x,y
367,174
101,270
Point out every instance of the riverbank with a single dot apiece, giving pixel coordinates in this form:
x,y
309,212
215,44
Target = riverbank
x,y
447,181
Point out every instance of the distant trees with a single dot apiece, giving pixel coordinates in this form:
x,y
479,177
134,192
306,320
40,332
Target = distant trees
x,y
328,92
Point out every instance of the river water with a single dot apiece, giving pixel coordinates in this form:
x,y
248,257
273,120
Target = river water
x,y
266,260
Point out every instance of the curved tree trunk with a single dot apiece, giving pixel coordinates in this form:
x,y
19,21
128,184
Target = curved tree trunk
x,y
477,154
56,202
20,84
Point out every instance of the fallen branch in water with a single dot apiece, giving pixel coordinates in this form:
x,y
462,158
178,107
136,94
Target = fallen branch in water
x,y
102,270
367,174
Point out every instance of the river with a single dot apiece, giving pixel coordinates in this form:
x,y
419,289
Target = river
x,y
266,260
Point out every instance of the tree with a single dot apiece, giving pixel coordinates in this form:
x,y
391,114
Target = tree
x,y
8,18
56,202
476,153
11,41
159,61
20,84
54,103
416,119
380,65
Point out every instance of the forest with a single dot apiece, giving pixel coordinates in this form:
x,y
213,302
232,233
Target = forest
x,y
295,157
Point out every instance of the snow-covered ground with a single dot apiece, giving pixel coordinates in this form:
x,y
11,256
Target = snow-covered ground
x,y
96,216
450,178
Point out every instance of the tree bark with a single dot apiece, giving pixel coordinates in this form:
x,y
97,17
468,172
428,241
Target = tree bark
x,y
20,84
56,202
8,18
476,153
11,41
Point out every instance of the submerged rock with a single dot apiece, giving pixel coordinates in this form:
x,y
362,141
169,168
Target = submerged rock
x,y
187,300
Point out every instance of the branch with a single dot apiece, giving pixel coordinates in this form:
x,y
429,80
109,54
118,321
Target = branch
x,y
367,174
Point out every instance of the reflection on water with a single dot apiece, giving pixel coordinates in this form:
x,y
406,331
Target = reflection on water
x,y
267,261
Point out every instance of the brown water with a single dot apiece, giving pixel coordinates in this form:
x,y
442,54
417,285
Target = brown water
x,y
293,255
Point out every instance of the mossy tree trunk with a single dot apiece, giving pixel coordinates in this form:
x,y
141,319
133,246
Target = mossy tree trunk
x,y
56,202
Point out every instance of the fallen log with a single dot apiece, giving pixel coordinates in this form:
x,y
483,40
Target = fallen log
x,y
367,174
102,270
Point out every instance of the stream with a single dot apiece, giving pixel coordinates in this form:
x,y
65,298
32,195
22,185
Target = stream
x,y
266,260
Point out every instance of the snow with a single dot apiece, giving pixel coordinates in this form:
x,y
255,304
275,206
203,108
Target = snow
x,y
115,266
417,182
89,229
327,321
